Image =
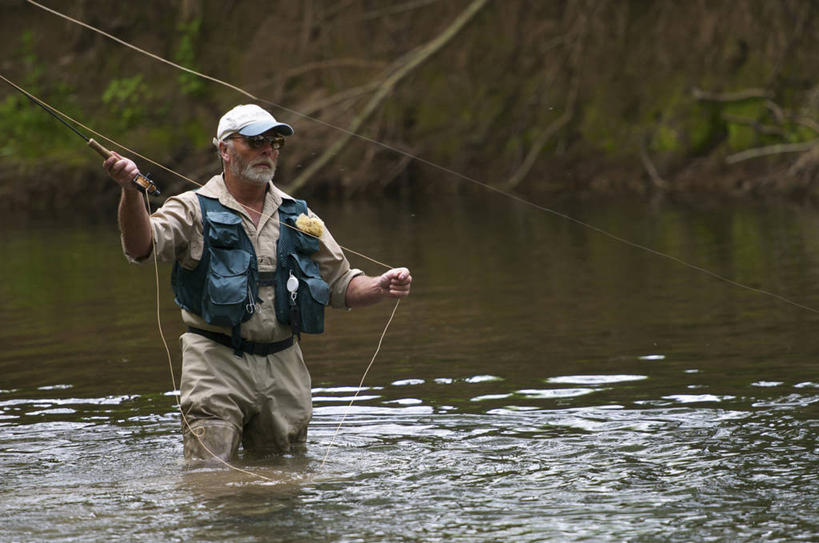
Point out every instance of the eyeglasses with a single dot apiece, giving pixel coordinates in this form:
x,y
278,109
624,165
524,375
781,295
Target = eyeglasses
x,y
257,142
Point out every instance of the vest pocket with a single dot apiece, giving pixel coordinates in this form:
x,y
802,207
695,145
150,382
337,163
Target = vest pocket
x,y
225,229
227,287
318,288
305,243
313,294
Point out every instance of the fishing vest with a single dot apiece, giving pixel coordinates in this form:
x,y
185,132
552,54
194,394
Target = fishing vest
x,y
223,288
301,293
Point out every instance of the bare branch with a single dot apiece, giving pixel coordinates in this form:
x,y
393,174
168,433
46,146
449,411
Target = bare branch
x,y
782,118
347,94
658,181
759,127
580,31
407,6
738,96
333,63
769,150
537,146
405,67
396,170
807,122
383,12
776,111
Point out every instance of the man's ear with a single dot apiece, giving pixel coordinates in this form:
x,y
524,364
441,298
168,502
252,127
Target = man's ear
x,y
223,152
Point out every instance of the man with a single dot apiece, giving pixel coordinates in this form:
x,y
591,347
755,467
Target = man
x,y
249,280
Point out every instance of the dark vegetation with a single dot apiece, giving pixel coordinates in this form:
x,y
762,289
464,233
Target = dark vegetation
x,y
575,97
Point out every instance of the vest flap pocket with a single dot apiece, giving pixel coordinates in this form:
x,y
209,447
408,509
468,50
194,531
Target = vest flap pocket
x,y
319,289
305,243
228,281
225,228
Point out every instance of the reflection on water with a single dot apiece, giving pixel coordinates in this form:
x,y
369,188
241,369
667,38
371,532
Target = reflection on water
x,y
542,383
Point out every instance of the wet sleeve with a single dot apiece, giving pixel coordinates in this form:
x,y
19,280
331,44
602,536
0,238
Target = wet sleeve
x,y
177,231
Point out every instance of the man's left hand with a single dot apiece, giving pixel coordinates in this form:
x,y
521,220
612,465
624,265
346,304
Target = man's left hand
x,y
395,283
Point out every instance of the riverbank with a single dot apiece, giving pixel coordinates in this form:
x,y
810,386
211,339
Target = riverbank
x,y
60,192
577,98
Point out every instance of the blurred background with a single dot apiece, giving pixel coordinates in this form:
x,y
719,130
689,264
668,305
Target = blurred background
x,y
548,99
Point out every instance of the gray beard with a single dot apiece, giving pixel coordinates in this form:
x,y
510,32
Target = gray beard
x,y
248,173
258,177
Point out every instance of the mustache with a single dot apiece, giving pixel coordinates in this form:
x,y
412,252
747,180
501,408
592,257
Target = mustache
x,y
267,161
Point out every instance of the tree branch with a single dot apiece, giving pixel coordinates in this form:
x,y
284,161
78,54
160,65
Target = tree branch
x,y
347,94
580,31
768,150
404,68
759,127
738,96
537,145
658,181
332,63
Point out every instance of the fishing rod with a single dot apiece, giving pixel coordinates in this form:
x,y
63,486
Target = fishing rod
x,y
139,179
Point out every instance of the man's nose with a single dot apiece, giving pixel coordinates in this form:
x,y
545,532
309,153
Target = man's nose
x,y
268,150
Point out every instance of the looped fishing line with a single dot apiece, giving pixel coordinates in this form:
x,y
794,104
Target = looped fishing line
x,y
186,424
408,155
195,432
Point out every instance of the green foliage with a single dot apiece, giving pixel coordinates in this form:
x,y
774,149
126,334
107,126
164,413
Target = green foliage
x,y
127,98
598,127
29,132
740,134
185,55
482,102
796,133
665,139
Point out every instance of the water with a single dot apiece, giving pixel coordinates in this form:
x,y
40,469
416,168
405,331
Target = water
x,y
542,383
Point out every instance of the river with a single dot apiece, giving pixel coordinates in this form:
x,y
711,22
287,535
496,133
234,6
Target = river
x,y
544,382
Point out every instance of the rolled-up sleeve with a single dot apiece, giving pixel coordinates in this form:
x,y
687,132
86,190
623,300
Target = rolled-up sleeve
x,y
335,269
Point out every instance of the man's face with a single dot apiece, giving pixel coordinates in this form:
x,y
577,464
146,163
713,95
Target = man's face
x,y
256,166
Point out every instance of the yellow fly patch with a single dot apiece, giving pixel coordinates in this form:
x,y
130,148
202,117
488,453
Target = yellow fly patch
x,y
310,225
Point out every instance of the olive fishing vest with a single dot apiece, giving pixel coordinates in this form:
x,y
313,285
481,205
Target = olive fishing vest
x,y
223,288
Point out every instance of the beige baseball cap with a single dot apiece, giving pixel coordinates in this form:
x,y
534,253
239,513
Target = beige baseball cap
x,y
249,120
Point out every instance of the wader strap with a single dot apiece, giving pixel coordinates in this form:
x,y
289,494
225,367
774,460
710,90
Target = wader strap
x,y
250,347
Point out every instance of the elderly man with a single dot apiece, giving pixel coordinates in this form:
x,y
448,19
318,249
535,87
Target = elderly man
x,y
253,269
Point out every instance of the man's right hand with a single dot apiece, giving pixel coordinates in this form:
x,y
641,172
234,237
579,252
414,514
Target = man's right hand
x,y
122,170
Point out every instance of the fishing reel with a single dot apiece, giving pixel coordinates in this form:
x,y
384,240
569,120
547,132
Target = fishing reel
x,y
145,184
140,180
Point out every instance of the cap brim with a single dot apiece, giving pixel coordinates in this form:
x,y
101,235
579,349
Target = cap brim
x,y
254,129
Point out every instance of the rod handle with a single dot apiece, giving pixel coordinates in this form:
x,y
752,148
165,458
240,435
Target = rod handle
x,y
139,180
104,153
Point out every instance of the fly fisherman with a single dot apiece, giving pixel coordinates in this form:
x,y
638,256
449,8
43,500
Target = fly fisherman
x,y
249,280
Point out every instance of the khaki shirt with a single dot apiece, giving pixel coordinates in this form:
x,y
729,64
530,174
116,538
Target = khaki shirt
x,y
177,234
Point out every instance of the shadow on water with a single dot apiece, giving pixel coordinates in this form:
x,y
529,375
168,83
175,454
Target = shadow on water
x,y
542,383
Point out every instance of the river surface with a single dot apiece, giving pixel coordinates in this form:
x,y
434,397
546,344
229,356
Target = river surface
x,y
544,382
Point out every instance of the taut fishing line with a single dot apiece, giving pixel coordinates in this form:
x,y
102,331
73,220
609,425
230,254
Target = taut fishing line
x,y
436,166
420,159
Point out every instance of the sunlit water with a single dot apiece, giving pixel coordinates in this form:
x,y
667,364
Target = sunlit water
x,y
542,383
